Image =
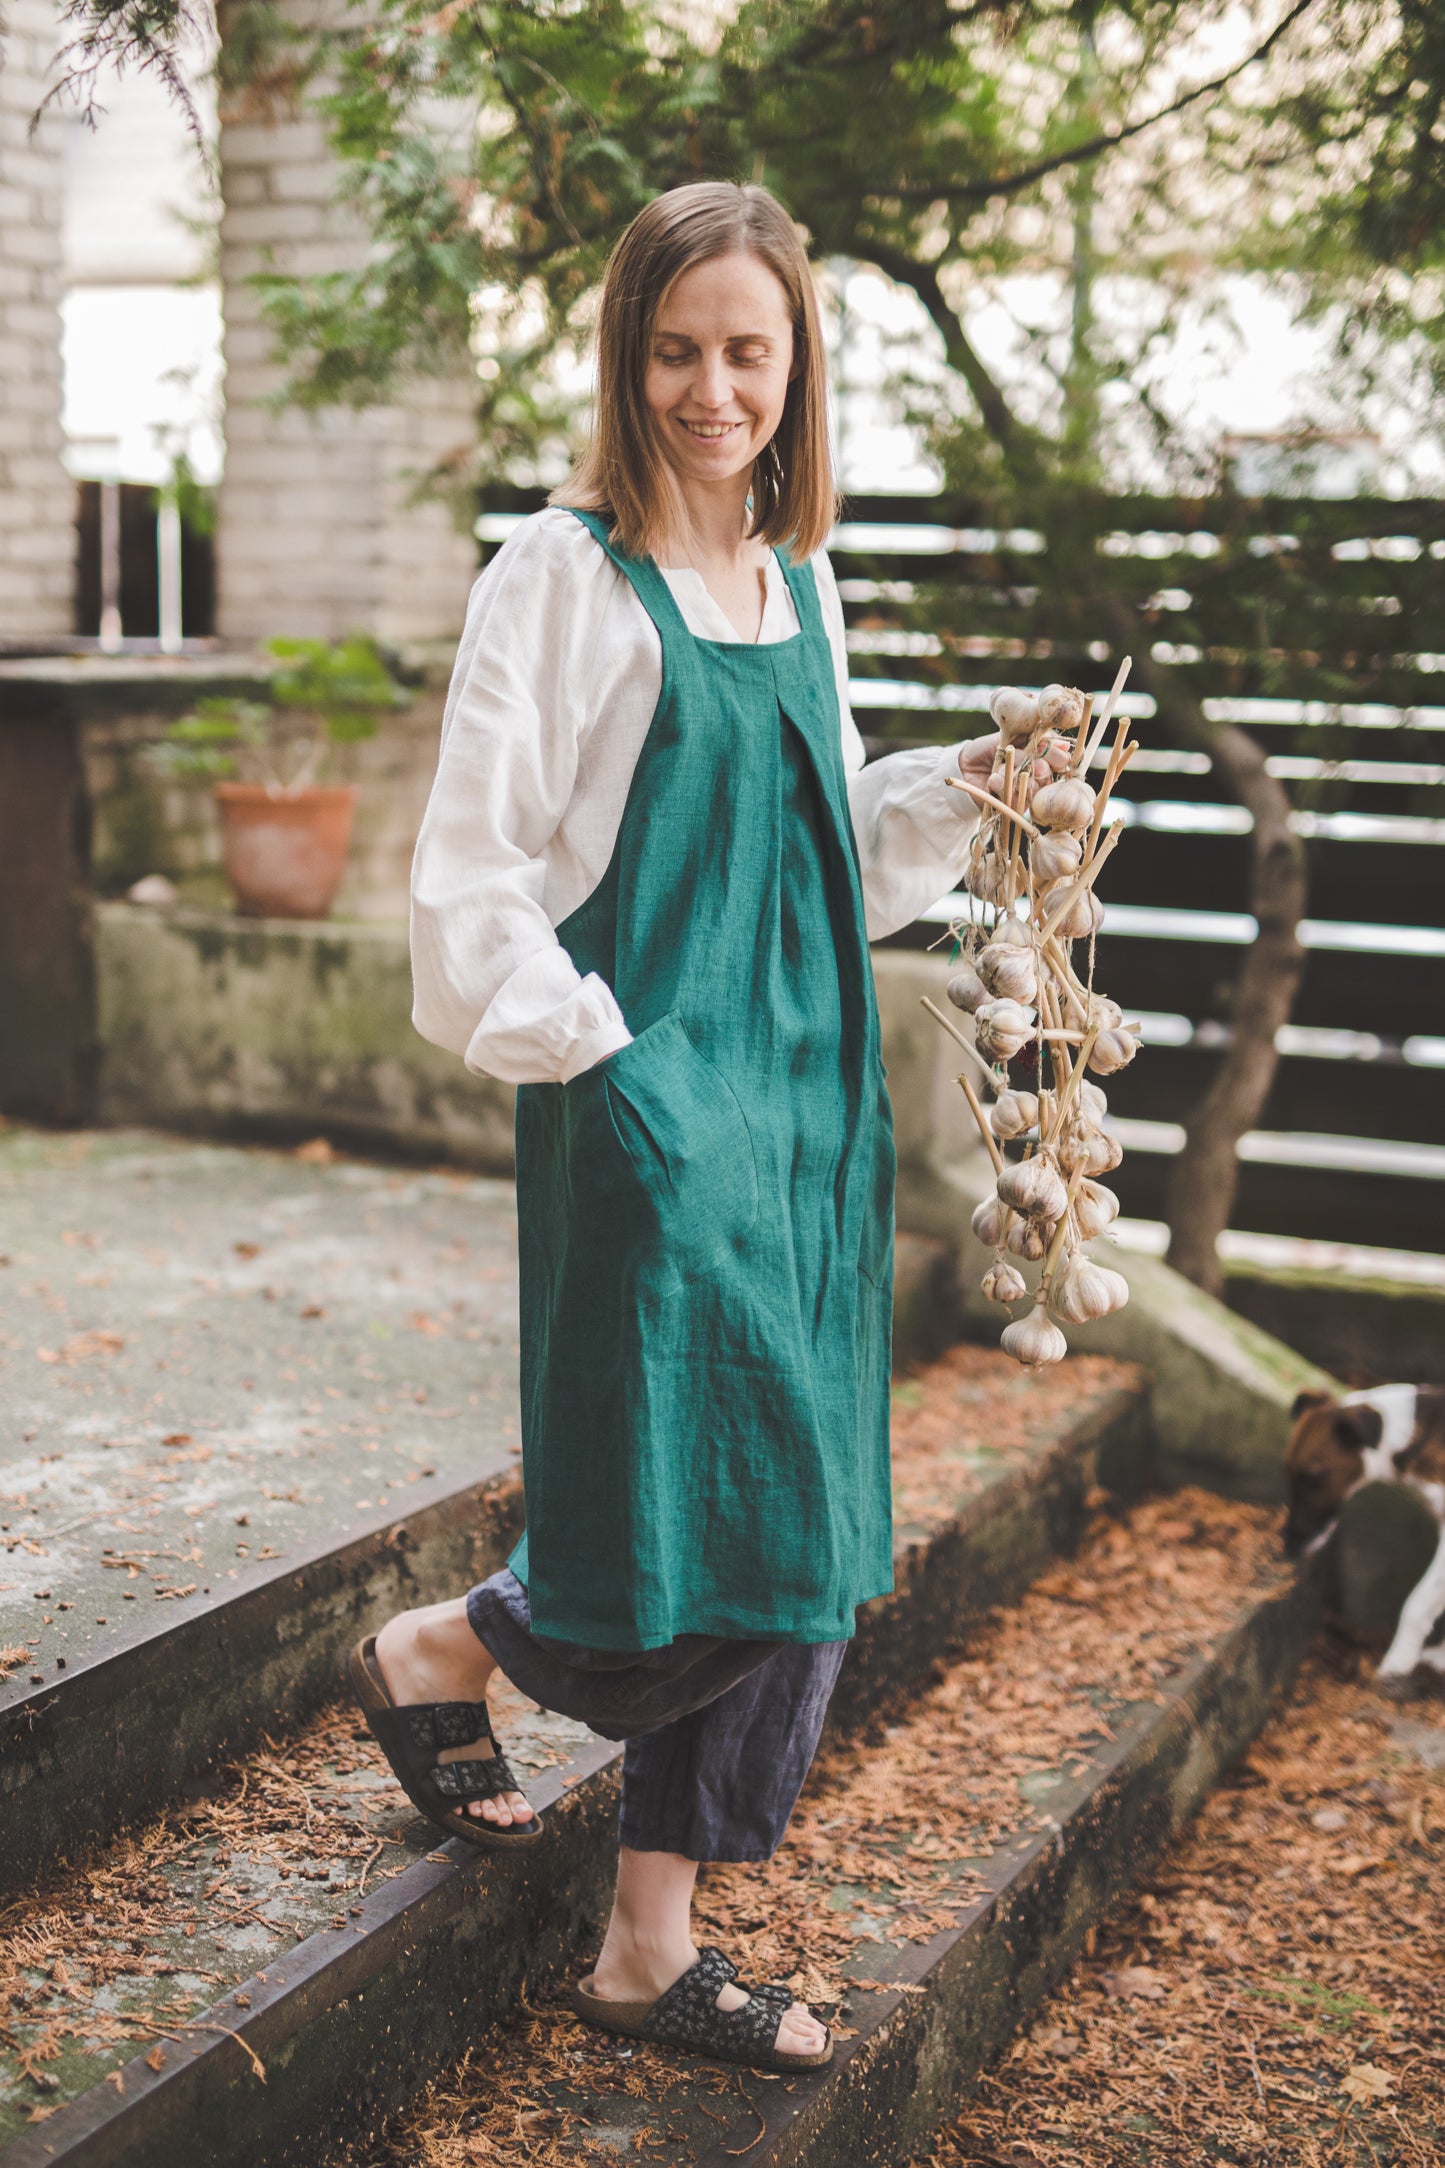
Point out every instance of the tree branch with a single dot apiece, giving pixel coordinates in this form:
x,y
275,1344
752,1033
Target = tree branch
x,y
1020,448
1010,184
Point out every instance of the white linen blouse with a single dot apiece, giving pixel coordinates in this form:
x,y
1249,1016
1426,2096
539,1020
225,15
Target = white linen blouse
x,y
556,681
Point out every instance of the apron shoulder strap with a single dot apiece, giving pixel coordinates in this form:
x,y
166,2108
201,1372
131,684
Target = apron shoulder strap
x,y
650,587
803,586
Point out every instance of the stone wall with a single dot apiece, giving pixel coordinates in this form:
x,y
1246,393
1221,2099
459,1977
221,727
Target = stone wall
x,y
315,535
37,496
145,822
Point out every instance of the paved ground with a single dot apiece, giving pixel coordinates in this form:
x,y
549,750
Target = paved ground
x,y
213,1358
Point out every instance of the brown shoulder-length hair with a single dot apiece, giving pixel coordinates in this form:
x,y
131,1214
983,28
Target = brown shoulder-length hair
x,y
623,472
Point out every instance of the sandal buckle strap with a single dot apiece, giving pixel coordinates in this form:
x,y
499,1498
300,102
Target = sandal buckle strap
x,y
687,2014
432,1726
474,1779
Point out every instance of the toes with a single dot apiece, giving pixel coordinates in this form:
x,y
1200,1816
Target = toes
x,y
501,1811
801,2033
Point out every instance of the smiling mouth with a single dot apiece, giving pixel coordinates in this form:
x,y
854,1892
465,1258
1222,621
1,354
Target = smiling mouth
x,y
710,432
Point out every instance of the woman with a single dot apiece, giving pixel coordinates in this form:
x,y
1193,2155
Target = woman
x,y
643,892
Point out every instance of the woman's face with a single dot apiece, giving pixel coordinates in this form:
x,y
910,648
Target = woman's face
x,y
721,362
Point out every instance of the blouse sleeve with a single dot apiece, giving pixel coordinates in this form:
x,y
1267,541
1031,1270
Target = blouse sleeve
x,y
912,831
491,980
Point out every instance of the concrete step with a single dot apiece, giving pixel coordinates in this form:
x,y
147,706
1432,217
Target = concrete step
x,y
352,1995
253,1401
938,1880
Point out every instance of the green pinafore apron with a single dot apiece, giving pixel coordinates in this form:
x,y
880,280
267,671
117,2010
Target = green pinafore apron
x,y
706,1217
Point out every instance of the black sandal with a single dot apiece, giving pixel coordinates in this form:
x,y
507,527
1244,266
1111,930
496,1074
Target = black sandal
x,y
412,1736
686,2015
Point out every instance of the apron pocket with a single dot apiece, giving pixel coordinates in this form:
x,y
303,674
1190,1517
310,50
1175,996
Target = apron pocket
x,y
666,1141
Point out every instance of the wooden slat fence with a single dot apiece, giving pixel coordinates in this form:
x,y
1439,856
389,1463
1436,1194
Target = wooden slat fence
x,y
1319,626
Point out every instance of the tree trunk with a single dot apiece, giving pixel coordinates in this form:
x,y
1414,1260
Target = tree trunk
x,y
1205,1177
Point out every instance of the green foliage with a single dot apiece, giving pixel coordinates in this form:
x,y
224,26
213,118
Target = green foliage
x,y
494,150
204,746
343,686
346,682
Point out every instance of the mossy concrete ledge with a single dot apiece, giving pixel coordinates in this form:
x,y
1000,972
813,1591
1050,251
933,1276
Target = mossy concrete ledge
x,y
278,1030
1221,1388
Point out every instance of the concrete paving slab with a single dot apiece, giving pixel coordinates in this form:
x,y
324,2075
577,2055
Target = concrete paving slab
x,y
215,1359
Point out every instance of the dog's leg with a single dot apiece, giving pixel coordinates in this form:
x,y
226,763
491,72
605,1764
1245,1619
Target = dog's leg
x,y
1423,1606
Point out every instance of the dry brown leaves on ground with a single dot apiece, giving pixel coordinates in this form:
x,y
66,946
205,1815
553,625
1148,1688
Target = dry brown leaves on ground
x,y
880,1850
974,1412
1273,1995
81,1962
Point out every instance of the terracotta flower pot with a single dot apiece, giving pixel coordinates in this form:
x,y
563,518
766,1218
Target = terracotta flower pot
x,y
284,852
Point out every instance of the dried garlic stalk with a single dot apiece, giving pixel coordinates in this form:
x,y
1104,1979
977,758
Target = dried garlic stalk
x,y
1036,855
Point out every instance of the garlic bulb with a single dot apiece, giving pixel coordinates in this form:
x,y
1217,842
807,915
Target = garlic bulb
x,y
1027,1238
1092,1102
1034,1340
1055,856
1085,915
1013,1113
1105,1013
1061,707
1089,1151
1008,971
1069,803
989,1221
1016,713
966,989
1002,1027
1033,1187
1004,1283
1113,1050
1095,1208
986,875
1011,932
1083,1291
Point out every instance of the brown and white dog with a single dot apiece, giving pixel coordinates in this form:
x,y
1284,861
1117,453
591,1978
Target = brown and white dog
x,y
1392,1434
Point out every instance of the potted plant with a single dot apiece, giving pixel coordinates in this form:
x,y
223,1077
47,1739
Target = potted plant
x,y
284,834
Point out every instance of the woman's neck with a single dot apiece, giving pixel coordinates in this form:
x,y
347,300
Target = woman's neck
x,y
714,535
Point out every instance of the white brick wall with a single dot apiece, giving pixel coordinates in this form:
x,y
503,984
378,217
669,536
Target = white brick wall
x,y
313,534
37,496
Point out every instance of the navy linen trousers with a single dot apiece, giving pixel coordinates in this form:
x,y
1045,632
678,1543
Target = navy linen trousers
x,y
719,1734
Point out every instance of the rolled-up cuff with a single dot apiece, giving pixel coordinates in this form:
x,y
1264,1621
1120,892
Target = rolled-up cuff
x,y
595,1046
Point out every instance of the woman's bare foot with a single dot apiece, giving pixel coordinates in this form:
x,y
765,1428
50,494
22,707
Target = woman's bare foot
x,y
432,1655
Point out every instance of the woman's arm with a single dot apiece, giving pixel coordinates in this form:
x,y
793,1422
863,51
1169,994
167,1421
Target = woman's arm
x,y
912,831
491,980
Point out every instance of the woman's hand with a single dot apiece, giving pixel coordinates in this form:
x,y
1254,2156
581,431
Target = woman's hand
x,y
976,759
982,757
